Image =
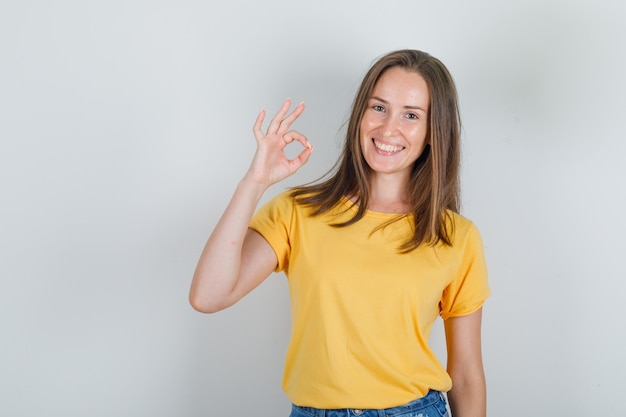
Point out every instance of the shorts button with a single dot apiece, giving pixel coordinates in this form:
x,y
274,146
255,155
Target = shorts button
x,y
357,412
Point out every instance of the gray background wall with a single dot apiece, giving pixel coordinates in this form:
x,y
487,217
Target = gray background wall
x,y
125,126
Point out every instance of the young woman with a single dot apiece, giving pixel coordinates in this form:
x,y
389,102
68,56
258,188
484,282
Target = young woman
x,y
373,254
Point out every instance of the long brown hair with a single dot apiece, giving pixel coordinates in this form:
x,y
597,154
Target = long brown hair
x,y
434,184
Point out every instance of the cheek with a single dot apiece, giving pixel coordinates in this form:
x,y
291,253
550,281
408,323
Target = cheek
x,y
418,133
365,130
366,124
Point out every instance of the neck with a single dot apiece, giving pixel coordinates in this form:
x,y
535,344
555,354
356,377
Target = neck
x,y
388,194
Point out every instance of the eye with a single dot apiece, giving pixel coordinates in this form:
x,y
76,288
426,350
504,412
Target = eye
x,y
378,107
412,116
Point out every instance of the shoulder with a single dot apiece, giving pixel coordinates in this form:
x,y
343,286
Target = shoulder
x,y
282,205
284,197
463,229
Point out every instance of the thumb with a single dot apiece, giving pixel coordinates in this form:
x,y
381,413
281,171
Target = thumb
x,y
301,159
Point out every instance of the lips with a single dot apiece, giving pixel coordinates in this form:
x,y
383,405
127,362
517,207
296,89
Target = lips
x,y
387,148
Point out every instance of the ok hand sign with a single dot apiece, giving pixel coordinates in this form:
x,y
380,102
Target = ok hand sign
x,y
270,164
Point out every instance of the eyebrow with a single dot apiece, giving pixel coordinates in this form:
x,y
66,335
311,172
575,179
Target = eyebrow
x,y
406,107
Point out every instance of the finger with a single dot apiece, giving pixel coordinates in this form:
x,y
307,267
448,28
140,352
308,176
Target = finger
x,y
275,123
300,160
297,136
287,121
258,123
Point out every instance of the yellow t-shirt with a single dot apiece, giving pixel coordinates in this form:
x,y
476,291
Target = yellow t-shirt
x,y
361,311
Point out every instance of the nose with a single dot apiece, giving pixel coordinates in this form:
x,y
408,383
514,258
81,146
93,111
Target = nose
x,y
390,126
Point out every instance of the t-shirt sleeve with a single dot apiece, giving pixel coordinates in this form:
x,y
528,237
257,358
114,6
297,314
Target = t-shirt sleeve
x,y
470,288
273,222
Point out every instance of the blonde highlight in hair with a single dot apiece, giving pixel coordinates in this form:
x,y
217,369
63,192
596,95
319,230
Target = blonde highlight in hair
x,y
433,189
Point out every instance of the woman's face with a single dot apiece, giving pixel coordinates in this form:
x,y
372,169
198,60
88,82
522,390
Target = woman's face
x,y
395,122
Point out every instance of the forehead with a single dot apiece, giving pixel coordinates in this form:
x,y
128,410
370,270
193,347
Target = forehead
x,y
401,84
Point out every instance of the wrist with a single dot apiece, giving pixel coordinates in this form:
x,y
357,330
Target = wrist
x,y
252,187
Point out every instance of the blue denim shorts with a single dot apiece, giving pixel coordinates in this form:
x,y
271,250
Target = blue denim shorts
x,y
432,404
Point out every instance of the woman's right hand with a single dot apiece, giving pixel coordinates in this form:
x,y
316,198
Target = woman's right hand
x,y
270,164
236,258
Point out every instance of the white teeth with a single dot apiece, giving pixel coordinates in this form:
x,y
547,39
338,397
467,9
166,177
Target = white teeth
x,y
387,148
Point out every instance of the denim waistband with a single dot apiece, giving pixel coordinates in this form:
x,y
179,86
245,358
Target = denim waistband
x,y
426,401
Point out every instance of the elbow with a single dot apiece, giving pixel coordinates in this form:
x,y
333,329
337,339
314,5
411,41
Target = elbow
x,y
204,305
474,378
209,296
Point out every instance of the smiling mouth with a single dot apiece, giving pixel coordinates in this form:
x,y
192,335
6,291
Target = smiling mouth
x,y
387,148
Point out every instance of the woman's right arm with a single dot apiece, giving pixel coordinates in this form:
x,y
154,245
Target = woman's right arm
x,y
235,258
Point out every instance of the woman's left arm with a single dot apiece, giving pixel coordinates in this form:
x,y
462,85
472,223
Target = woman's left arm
x,y
468,397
